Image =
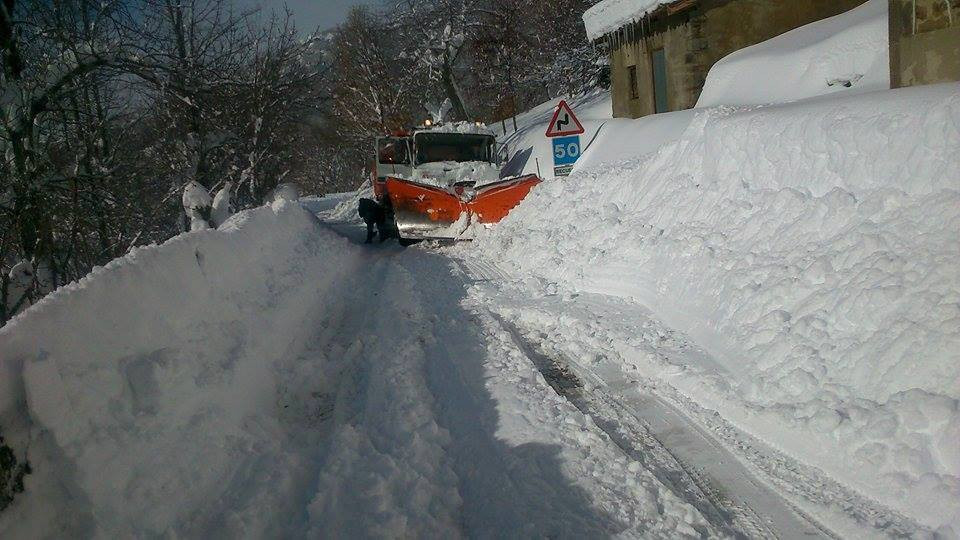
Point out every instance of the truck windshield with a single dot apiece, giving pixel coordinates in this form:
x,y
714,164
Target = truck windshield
x,y
432,147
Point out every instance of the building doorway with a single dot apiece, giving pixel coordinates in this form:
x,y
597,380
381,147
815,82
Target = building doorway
x,y
658,61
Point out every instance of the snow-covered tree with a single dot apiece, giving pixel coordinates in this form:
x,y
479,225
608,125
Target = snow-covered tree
x,y
568,64
531,50
373,91
372,88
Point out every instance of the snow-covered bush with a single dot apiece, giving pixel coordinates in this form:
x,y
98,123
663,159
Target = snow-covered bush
x,y
286,192
220,211
19,285
197,205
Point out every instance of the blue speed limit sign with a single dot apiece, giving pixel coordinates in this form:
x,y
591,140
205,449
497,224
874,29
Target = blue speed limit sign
x,y
566,150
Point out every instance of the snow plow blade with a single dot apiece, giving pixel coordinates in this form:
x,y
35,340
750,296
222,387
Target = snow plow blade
x,y
424,212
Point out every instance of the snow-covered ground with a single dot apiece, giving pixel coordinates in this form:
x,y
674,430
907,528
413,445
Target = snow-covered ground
x,y
330,201
580,370
272,378
807,249
733,321
174,391
810,249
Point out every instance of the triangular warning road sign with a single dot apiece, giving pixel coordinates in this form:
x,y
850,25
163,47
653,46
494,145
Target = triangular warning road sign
x,y
564,122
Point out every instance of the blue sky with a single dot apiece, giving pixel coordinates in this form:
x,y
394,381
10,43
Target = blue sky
x,y
309,14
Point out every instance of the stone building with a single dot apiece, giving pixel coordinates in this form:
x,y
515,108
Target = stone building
x,y
924,42
660,57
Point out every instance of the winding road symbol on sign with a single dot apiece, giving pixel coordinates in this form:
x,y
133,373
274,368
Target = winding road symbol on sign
x,y
564,123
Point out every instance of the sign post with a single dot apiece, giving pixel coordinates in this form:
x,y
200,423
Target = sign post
x,y
564,130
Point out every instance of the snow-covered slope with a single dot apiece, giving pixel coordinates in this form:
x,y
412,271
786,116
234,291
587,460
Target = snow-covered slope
x,y
165,390
812,249
847,53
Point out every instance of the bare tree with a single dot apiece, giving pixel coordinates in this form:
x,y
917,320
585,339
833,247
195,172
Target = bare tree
x,y
51,55
503,60
374,89
106,115
281,91
436,34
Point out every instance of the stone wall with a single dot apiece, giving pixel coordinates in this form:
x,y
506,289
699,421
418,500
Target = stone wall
x,y
924,42
694,40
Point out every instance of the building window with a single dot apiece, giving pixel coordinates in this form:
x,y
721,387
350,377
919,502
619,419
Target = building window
x,y
634,85
658,63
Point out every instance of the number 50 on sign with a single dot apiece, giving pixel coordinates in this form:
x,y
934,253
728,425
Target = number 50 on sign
x,y
566,150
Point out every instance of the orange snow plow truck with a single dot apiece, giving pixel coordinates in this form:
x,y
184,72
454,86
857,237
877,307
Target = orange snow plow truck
x,y
435,182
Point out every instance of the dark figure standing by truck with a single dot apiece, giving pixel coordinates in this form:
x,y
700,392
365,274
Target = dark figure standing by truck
x,y
372,214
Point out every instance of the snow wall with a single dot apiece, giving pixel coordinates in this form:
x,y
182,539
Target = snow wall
x,y
149,393
848,53
812,249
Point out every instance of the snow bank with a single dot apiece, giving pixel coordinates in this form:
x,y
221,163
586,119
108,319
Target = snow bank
x,y
847,53
812,249
163,394
623,139
347,204
330,202
608,15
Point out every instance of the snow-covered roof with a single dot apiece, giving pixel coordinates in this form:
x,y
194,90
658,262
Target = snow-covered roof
x,y
608,15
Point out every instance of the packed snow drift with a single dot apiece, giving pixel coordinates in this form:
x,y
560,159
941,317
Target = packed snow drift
x,y
164,390
811,249
847,53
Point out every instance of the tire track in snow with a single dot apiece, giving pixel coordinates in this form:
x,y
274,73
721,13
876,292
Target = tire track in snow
x,y
798,479
727,511
796,483
517,491
791,482
528,464
387,472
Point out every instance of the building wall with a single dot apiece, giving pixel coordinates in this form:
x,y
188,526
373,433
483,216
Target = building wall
x,y
693,41
924,42
680,75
